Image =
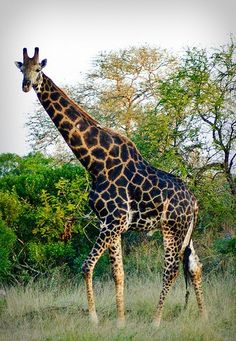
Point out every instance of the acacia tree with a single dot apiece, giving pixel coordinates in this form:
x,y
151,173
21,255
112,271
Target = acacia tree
x,y
122,84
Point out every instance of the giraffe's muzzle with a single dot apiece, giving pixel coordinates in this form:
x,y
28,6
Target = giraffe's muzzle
x,y
26,85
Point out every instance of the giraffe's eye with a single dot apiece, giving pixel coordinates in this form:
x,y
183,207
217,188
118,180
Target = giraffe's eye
x,y
38,70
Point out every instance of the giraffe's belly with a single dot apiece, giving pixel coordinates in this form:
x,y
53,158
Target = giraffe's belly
x,y
146,209
148,221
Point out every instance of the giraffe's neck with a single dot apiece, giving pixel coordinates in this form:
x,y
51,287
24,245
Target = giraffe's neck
x,y
81,132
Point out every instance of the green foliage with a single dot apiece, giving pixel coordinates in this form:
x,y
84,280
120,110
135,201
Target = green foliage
x,y
55,210
217,205
47,256
156,139
7,241
9,206
226,245
8,163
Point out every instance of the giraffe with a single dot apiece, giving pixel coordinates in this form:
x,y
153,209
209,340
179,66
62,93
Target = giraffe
x,y
126,192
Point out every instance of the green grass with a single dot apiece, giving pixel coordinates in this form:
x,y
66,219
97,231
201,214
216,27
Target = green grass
x,y
59,312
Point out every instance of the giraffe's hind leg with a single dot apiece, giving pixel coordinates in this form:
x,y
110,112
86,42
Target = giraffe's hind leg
x,y
115,254
171,268
195,271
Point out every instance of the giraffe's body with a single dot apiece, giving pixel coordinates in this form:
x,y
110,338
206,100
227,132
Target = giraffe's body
x,y
127,192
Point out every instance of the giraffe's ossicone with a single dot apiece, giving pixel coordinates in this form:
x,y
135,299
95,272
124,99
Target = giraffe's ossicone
x,y
127,192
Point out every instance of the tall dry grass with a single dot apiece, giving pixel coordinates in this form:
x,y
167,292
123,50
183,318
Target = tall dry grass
x,y
59,312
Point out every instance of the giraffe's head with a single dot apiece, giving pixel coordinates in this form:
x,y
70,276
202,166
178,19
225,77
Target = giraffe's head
x,y
31,69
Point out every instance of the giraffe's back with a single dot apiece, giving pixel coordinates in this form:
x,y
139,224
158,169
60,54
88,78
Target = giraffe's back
x,y
157,196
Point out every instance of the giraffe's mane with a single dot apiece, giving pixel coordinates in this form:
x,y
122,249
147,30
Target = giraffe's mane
x,y
72,102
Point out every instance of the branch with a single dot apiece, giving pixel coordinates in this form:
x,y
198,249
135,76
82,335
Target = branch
x,y
206,120
231,162
231,137
213,165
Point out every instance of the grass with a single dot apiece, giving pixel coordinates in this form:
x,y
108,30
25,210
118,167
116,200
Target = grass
x,y
59,312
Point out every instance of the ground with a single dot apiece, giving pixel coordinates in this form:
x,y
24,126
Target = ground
x,y
58,311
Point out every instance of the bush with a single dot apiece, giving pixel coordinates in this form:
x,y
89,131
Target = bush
x,y
47,256
226,245
7,241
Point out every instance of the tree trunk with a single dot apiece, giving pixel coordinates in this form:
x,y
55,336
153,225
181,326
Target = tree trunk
x,y
231,183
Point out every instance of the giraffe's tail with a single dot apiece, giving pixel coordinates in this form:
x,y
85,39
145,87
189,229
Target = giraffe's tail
x,y
186,253
186,268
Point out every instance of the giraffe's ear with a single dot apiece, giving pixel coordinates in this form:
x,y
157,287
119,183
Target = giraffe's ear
x,y
19,65
43,63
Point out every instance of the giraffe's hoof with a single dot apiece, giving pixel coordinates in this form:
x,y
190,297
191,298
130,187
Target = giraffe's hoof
x,y
204,314
156,323
120,323
93,318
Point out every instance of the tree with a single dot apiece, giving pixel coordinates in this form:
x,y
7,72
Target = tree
x,y
203,93
124,84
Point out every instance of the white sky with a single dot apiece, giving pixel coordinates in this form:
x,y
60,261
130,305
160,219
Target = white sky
x,y
71,33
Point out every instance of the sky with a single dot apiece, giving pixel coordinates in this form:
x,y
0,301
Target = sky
x,y
71,33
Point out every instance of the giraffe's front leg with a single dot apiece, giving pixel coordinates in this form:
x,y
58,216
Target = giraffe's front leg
x,y
115,254
87,269
108,237
90,297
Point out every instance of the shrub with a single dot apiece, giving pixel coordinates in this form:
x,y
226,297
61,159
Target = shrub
x,y
7,241
47,256
226,245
